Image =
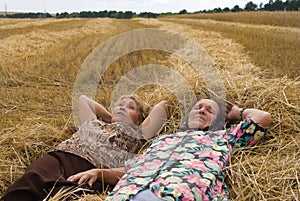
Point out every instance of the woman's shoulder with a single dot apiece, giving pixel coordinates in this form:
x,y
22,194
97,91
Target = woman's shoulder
x,y
93,123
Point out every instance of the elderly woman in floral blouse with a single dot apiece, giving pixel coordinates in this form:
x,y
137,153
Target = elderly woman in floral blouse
x,y
101,145
190,164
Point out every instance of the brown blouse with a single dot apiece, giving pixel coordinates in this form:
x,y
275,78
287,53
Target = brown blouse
x,y
104,145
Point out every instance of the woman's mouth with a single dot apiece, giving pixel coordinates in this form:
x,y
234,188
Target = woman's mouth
x,y
120,113
200,118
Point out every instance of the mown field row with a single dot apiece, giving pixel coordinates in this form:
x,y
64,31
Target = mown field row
x,y
272,39
282,19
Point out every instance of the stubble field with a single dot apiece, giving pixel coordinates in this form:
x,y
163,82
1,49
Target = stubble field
x,y
258,64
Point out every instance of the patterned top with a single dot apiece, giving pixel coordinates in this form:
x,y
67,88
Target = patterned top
x,y
103,144
187,165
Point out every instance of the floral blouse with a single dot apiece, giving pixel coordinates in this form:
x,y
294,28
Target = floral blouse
x,y
104,145
187,165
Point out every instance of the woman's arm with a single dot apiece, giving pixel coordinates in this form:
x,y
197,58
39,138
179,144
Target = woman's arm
x,y
261,117
89,109
155,120
110,176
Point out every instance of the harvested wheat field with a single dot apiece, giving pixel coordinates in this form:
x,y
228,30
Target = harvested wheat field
x,y
40,61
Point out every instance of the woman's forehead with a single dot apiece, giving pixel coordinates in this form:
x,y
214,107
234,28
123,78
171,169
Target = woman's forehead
x,y
208,102
126,100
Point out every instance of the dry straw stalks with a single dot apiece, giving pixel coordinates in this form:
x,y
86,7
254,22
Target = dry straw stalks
x,y
37,77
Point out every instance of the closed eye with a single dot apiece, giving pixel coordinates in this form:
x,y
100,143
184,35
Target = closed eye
x,y
132,107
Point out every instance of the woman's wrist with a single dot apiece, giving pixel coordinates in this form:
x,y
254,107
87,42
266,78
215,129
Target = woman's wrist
x,y
241,117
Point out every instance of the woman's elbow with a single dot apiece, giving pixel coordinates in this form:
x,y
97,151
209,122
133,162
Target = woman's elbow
x,y
164,104
266,119
82,98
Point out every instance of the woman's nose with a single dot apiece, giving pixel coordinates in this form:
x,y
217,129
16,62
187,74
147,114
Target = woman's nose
x,y
122,108
201,110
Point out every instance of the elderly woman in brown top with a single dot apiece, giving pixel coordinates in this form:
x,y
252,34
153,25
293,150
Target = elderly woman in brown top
x,y
102,144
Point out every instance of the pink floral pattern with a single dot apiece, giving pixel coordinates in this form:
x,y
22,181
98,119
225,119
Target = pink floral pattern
x,y
194,169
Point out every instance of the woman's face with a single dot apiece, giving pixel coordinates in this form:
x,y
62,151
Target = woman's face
x,y
126,111
203,113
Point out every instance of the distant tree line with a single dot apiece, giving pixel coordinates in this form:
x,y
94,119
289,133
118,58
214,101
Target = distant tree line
x,y
289,5
277,5
28,15
86,14
110,14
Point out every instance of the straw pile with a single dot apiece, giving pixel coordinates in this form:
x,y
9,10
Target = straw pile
x,y
36,103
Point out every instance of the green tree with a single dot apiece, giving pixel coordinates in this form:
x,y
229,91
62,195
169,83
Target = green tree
x,y
183,12
217,10
112,14
279,5
128,15
150,15
226,9
293,5
120,15
250,6
103,13
236,8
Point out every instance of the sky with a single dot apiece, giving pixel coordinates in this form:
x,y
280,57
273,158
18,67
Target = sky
x,y
155,6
